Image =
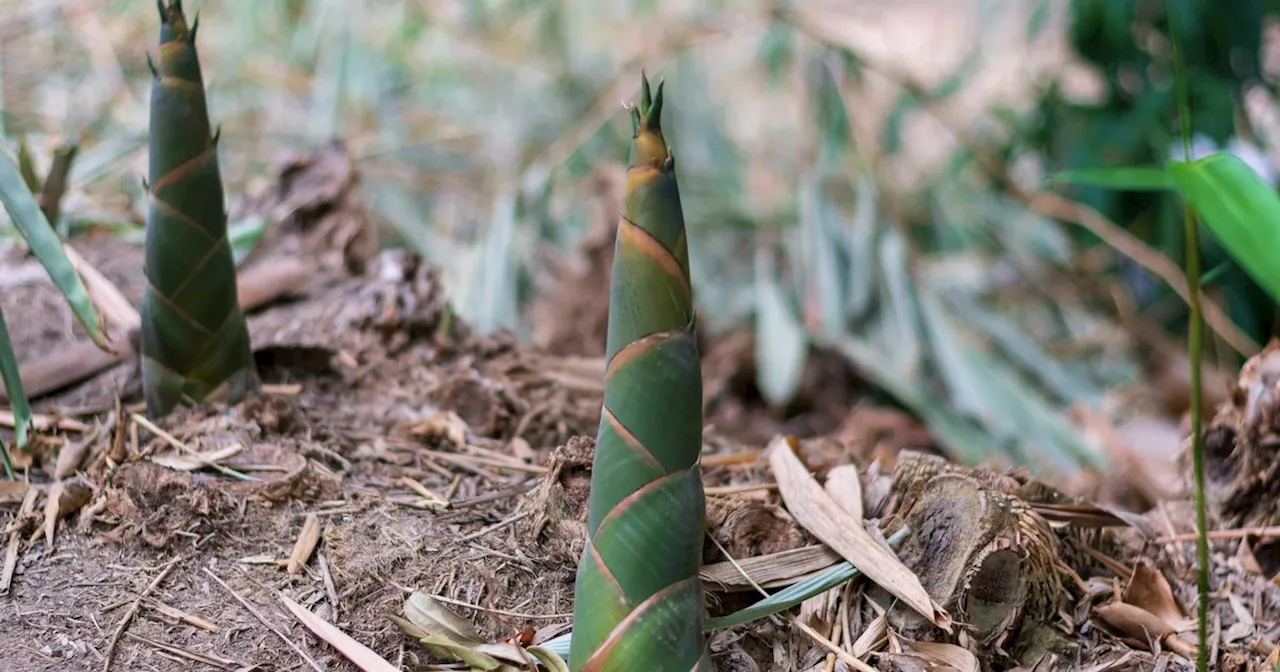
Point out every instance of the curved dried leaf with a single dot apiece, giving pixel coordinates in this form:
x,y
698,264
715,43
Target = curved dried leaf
x,y
430,615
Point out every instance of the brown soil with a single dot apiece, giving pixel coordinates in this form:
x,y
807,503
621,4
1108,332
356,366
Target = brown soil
x,y
377,392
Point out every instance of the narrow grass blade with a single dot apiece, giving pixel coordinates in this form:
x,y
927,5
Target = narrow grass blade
x,y
794,594
1241,210
21,205
1127,178
17,398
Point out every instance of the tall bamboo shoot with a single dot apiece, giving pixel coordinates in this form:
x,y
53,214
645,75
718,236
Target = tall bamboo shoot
x,y
639,601
195,344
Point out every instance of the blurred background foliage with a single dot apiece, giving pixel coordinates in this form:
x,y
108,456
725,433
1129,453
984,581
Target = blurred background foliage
x,y
860,177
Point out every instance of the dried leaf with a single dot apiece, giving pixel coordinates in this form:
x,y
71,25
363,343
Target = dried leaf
x,y
1149,590
194,461
71,456
63,499
306,543
1143,627
948,656
446,424
845,489
549,659
432,617
440,644
870,637
13,491
818,513
354,651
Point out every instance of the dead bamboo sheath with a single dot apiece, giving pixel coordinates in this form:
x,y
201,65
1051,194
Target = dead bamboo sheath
x,y
256,287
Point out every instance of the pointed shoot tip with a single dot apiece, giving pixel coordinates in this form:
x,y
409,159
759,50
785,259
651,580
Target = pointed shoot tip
x,y
646,95
653,115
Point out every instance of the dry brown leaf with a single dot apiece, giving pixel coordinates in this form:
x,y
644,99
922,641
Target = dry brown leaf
x,y
1142,627
13,491
846,490
870,637
428,614
72,455
770,571
814,509
1149,590
200,460
445,424
358,653
15,537
63,499
947,656
306,543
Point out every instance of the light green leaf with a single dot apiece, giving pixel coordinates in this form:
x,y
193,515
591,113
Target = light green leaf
x,y
17,398
44,242
549,659
1241,210
1132,178
781,343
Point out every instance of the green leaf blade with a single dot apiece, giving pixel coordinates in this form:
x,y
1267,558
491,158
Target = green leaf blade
x,y
1241,210
1120,178
44,242
17,398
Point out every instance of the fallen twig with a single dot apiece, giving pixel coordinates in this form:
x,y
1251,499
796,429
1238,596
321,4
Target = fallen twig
x,y
258,615
124,622
1239,533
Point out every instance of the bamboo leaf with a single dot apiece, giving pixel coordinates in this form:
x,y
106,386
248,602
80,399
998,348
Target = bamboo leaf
x,y
781,344
794,594
1241,210
1128,178
30,221
17,398
814,509
354,651
427,613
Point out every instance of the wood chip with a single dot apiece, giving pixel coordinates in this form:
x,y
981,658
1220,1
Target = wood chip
x,y
306,544
814,509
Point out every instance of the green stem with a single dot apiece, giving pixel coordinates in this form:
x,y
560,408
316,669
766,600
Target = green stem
x,y
1194,355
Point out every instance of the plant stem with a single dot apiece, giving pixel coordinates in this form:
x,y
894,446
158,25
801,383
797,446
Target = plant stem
x,y
1194,356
